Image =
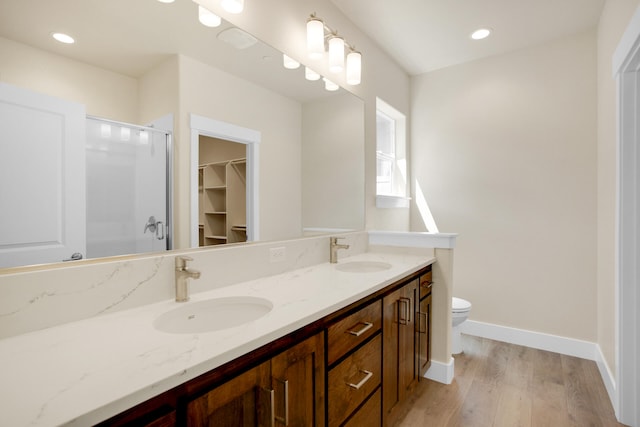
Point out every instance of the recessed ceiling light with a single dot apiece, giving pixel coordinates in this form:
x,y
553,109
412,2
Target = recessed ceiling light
x,y
481,33
63,38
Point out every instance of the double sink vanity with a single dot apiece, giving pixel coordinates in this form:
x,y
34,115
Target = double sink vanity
x,y
322,344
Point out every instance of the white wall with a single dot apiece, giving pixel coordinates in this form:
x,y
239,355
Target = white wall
x,y
615,17
104,93
505,151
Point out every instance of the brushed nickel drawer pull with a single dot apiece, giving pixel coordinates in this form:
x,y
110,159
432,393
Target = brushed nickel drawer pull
x,y
368,375
419,323
407,311
284,420
427,284
367,326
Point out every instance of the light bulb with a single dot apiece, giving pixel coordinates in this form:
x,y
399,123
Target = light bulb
x,y
315,38
208,18
336,54
330,86
309,74
289,63
63,38
354,68
480,34
233,6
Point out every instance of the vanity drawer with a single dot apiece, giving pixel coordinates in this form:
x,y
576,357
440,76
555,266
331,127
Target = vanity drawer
x,y
370,414
355,378
426,281
354,329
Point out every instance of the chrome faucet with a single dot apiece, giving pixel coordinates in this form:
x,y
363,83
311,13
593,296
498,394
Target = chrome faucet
x,y
333,249
183,273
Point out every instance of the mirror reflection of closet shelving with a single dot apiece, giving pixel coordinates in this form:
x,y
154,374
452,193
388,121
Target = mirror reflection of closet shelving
x,y
222,196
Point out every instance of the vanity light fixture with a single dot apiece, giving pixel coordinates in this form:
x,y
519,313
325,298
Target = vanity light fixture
x,y
330,86
309,74
354,68
63,38
317,34
336,54
166,1
208,18
315,38
481,33
233,6
290,63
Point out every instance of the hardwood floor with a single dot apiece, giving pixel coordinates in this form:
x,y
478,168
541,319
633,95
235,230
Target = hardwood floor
x,y
500,384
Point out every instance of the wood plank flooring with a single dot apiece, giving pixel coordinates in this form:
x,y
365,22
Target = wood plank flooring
x,y
500,384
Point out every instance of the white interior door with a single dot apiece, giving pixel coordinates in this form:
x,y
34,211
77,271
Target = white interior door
x,y
42,178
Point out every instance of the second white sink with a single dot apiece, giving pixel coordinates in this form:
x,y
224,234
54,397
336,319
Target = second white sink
x,y
363,266
212,315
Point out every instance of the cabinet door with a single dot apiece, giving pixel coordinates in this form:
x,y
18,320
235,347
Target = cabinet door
x,y
400,368
297,378
246,401
423,332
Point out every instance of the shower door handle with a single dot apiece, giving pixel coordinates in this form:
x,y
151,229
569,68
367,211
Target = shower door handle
x,y
159,225
151,225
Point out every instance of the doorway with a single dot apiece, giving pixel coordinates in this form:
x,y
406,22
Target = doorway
x,y
201,129
222,190
627,68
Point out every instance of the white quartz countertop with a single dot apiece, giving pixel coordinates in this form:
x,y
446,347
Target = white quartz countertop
x,y
83,372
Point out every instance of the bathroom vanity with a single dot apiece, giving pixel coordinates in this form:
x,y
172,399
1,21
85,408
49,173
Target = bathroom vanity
x,y
333,371
332,343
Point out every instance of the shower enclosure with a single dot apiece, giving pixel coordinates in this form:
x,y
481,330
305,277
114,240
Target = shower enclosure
x,y
128,179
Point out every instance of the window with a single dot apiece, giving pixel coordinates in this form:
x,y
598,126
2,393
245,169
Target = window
x,y
391,161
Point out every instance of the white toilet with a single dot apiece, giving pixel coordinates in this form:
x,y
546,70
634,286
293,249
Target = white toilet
x,y
460,309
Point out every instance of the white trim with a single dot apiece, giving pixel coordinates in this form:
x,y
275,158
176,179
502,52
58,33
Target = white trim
x,y
441,372
230,132
607,377
413,239
626,64
390,202
629,44
541,341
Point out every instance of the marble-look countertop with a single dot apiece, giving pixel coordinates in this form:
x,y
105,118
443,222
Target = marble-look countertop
x,y
84,372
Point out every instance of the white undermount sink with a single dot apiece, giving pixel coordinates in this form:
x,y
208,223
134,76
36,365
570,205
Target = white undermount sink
x,y
212,315
363,266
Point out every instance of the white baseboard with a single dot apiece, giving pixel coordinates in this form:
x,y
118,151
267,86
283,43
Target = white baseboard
x,y
441,372
607,378
569,346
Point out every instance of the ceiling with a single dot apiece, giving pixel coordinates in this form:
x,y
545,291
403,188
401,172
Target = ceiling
x,y
421,35
133,37
425,35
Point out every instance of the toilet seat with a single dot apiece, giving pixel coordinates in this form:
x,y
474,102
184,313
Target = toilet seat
x,y
459,305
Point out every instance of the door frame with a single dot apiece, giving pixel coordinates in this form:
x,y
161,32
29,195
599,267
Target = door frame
x,y
218,129
626,70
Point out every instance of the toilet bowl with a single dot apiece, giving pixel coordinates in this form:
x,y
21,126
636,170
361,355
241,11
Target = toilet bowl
x,y
460,309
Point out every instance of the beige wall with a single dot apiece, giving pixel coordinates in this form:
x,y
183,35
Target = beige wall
x,y
615,17
332,163
504,149
104,93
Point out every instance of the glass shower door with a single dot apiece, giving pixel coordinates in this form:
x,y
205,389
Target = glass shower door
x,y
127,181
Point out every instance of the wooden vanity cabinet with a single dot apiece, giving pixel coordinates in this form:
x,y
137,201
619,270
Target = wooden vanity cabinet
x,y
354,358
423,325
287,390
350,368
399,360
